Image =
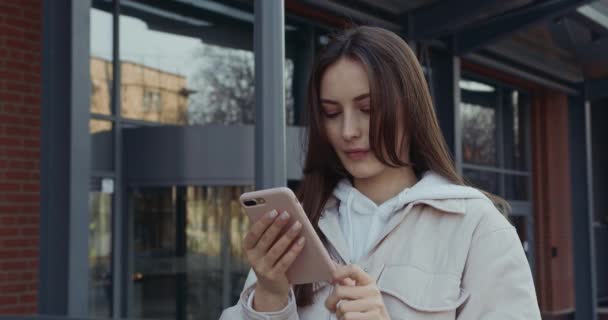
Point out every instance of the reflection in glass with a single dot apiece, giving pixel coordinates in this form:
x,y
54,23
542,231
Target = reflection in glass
x,y
100,248
188,259
181,70
484,180
515,134
101,61
516,187
478,134
102,145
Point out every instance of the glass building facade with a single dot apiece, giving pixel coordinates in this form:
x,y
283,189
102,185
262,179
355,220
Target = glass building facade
x,y
182,252
170,120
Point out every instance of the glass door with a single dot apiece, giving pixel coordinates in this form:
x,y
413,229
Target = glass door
x,y
186,255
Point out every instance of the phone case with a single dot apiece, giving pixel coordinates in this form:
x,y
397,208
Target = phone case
x,y
313,264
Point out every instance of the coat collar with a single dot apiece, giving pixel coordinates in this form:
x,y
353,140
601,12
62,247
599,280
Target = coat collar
x,y
432,190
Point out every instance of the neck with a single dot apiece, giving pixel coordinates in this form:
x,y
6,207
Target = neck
x,y
386,185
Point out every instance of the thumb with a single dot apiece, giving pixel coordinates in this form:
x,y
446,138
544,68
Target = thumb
x,y
348,282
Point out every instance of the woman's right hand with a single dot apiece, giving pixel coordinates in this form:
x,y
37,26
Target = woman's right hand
x,y
270,258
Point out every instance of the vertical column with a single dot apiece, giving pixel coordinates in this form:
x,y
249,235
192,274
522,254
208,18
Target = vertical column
x,y
445,77
80,150
181,274
303,63
119,265
552,202
579,134
269,51
65,159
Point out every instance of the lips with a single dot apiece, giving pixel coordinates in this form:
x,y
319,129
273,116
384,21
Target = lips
x,y
357,154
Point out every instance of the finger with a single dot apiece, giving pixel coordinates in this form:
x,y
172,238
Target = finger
x,y
347,293
354,272
361,305
290,256
279,248
270,235
257,230
348,282
369,315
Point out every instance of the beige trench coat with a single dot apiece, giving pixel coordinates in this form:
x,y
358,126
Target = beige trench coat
x,y
449,254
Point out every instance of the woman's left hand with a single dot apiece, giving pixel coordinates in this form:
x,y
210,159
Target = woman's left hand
x,y
359,298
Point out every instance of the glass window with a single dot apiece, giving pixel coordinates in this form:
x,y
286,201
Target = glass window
x,y
190,67
188,259
495,137
300,49
152,101
100,247
516,187
478,113
101,61
485,180
102,145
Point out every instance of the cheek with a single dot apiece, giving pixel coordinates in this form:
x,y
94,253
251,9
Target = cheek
x,y
365,125
333,132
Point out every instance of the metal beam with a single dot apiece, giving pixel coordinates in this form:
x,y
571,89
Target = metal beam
x,y
118,218
80,160
304,55
573,35
587,22
526,74
561,33
444,78
65,159
52,289
269,52
494,29
581,181
346,11
596,89
444,17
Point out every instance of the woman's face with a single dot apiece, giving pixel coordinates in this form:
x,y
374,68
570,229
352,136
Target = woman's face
x,y
346,107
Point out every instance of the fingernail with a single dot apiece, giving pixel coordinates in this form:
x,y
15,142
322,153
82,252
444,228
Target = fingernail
x,y
272,214
284,215
301,241
296,226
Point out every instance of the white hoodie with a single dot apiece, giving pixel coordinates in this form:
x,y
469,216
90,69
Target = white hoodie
x,y
362,221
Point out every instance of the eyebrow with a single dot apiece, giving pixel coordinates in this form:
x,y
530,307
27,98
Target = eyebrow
x,y
357,98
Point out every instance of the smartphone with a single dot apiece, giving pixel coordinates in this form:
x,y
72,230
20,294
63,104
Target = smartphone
x,y
313,263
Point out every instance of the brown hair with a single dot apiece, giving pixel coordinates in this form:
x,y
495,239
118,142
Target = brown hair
x,y
398,93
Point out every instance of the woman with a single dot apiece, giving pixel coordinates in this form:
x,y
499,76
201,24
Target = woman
x,y
412,241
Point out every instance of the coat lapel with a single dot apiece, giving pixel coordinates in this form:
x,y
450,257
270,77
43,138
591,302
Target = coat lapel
x,y
330,226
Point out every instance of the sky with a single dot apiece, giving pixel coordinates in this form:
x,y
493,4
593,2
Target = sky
x,y
165,51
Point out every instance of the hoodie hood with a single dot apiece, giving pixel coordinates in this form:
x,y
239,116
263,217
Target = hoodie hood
x,y
428,189
362,221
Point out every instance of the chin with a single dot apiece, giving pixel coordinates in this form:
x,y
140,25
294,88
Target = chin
x,y
363,170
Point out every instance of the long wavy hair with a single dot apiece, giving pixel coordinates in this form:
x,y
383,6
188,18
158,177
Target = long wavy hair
x,y
398,94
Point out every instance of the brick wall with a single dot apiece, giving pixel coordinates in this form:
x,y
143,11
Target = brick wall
x,y
20,78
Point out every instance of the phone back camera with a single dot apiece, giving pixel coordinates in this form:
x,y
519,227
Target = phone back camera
x,y
250,203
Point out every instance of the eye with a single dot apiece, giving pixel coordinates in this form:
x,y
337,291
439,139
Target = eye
x,y
365,109
331,115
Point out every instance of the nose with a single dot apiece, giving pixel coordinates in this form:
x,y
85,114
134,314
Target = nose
x,y
351,128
